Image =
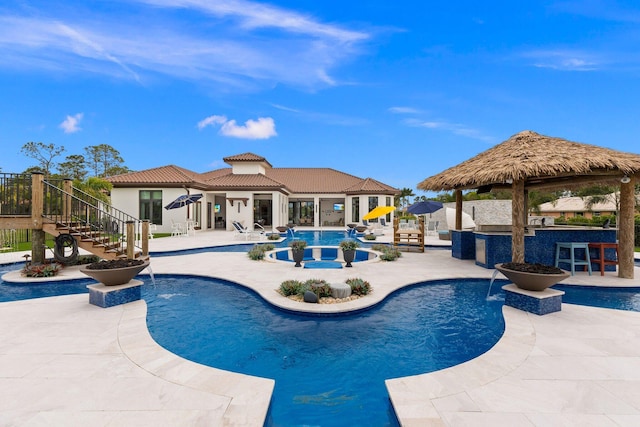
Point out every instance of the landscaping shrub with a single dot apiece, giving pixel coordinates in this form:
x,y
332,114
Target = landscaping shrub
x,y
358,286
274,237
291,287
256,253
389,253
318,286
370,236
41,270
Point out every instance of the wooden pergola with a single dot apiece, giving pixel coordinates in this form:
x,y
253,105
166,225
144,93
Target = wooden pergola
x,y
530,161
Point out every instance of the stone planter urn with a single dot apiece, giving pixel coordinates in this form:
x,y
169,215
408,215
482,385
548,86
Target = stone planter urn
x,y
349,247
297,251
115,272
349,255
533,277
298,256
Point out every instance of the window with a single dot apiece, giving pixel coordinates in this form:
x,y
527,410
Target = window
x,y
355,209
151,205
373,203
388,216
597,214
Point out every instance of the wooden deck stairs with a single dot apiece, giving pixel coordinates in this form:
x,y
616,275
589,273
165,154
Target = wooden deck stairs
x,y
74,218
102,244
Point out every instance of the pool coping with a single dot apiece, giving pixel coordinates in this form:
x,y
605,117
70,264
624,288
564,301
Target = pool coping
x,y
445,397
249,396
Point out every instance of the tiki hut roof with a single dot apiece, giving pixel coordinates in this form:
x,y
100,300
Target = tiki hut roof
x,y
541,161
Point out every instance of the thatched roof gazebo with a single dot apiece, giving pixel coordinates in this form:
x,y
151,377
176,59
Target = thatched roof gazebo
x,y
530,161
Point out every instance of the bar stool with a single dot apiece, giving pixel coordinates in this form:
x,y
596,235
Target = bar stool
x,y
571,247
600,259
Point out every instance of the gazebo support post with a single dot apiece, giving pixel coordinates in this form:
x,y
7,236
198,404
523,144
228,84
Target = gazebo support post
x,y
458,209
517,221
626,230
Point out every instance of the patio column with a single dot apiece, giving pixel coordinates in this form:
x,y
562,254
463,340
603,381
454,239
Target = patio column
x,y
517,221
458,209
37,210
626,230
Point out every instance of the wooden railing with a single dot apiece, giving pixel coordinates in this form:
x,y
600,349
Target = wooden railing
x,y
82,213
27,201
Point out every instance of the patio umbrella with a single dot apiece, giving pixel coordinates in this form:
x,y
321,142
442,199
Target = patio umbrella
x,y
184,200
467,221
379,211
425,207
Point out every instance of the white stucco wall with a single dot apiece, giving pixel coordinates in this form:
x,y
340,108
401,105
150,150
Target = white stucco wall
x,y
127,200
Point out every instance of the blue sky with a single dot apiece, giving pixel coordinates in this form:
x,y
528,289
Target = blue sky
x,y
397,91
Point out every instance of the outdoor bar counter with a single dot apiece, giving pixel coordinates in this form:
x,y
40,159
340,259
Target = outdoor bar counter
x,y
491,245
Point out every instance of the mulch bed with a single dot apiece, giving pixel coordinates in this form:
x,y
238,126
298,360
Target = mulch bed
x,y
115,263
532,268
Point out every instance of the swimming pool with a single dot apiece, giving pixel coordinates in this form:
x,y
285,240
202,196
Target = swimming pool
x,y
22,291
328,370
313,238
594,296
315,337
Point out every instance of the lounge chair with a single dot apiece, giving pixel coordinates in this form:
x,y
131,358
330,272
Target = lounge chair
x,y
376,229
244,232
177,229
432,228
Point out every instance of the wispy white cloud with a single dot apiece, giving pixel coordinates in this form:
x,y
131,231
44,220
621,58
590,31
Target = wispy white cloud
x,y
223,42
211,120
600,9
260,15
403,110
262,128
455,128
326,118
285,108
565,59
72,123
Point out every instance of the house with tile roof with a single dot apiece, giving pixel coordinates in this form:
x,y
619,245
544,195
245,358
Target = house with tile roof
x,y
570,207
250,191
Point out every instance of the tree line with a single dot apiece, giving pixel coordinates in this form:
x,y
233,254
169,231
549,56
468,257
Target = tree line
x,y
87,171
98,161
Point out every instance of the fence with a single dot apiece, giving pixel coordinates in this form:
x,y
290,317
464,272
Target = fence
x,y
15,194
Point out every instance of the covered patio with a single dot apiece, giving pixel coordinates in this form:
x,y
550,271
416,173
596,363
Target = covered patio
x,y
530,161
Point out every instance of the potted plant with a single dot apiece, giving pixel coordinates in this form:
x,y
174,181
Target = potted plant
x,y
297,250
532,277
349,247
115,272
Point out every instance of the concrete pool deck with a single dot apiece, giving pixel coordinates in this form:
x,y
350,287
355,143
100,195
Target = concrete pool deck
x,y
66,362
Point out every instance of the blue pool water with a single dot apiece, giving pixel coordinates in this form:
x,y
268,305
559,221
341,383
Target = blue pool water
x,y
617,298
22,291
321,238
315,238
329,371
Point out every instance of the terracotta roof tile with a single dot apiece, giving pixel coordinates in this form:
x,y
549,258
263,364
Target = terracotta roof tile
x,y
245,157
168,175
291,180
371,186
237,181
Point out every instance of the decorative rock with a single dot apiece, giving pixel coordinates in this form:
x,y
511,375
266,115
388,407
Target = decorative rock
x,y
340,290
310,297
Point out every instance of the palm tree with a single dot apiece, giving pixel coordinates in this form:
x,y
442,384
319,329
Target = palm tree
x,y
402,198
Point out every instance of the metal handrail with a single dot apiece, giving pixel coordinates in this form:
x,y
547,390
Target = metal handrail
x,y
89,220
15,194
